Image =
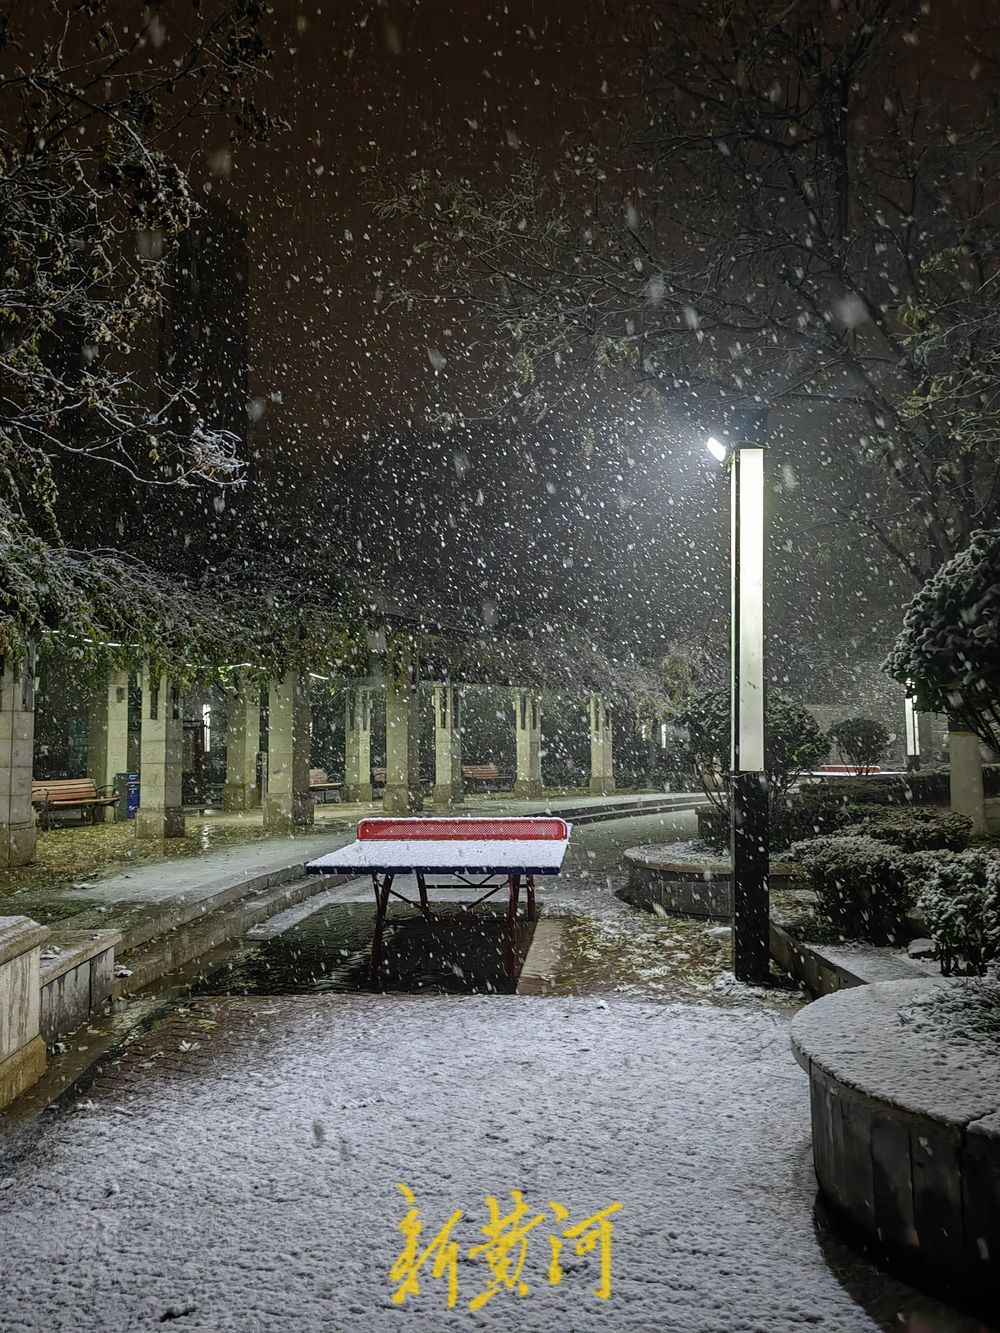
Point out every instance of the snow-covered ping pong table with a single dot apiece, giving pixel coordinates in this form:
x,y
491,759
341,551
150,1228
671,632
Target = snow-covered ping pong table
x,y
477,853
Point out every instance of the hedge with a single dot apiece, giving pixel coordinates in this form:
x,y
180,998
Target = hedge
x,y
788,825
914,830
863,885
960,900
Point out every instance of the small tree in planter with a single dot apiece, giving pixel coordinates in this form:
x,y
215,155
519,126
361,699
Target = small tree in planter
x,y
795,745
861,742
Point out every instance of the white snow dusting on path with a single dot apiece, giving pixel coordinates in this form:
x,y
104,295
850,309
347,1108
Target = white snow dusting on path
x,y
249,1183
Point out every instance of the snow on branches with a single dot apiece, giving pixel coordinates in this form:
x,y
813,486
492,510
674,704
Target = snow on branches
x,y
949,648
91,211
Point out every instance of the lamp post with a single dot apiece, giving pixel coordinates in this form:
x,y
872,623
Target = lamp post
x,y
912,729
750,832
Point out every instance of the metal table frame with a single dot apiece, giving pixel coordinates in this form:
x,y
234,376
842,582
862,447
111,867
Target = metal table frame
x,y
382,887
488,853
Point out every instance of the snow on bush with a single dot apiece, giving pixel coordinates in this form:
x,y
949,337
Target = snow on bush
x,y
863,885
858,791
914,830
960,899
949,648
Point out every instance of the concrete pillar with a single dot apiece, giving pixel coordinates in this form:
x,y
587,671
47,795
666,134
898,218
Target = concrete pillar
x,y
528,735
17,748
358,745
161,759
287,803
448,789
242,746
602,775
966,768
107,737
402,735
22,1047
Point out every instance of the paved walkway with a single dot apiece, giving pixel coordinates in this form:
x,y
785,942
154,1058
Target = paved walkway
x,y
237,1171
219,874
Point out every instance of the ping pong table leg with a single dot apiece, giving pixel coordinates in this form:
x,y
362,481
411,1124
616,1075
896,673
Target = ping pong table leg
x,y
510,929
421,885
530,885
381,906
514,893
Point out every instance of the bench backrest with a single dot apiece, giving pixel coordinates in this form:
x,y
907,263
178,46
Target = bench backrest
x,y
483,772
469,830
64,789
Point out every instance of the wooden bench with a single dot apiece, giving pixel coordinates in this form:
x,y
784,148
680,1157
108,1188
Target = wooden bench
x,y
486,773
320,784
71,794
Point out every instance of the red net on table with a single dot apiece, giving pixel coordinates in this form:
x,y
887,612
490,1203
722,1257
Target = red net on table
x,y
465,830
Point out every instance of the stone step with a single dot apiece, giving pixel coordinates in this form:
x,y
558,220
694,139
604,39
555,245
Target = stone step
x,y
76,977
175,948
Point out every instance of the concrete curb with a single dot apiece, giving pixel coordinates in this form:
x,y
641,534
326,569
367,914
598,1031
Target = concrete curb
x,y
906,1137
262,898
826,969
590,814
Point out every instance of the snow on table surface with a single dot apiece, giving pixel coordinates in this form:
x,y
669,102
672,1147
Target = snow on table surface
x,y
459,855
252,1180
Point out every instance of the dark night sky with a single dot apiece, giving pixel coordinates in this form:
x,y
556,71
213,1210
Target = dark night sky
x,y
361,83
611,512
332,367
486,84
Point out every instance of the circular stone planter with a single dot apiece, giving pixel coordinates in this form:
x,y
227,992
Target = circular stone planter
x,y
906,1129
701,888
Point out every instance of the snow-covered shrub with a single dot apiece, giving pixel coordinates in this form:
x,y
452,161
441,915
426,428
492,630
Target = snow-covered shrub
x,y
949,648
871,790
932,786
862,885
960,899
929,786
914,830
790,822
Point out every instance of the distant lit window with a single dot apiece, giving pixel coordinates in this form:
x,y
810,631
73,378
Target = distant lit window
x,y
206,722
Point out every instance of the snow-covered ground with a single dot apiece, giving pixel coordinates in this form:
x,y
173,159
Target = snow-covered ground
x,y
238,1171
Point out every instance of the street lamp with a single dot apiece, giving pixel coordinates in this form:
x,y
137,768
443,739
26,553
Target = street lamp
x,y
750,832
912,728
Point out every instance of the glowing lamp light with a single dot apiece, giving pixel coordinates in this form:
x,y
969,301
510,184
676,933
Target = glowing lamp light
x,y
717,449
